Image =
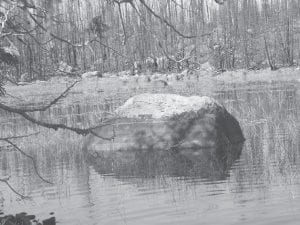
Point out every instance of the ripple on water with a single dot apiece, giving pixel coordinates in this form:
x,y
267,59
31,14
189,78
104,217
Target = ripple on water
x,y
261,187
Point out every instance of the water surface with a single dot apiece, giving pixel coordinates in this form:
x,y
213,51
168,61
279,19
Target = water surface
x,y
262,186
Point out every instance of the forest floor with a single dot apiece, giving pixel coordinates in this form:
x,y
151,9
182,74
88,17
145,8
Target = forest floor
x,y
200,83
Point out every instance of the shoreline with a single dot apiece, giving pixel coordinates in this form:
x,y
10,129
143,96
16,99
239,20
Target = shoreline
x,y
42,91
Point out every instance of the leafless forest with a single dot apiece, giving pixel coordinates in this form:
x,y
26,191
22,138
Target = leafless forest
x,y
42,38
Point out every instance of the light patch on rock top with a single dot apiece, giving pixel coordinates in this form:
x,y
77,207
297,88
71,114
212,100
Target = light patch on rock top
x,y
164,105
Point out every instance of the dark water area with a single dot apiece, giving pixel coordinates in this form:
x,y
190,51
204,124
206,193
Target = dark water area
x,y
260,186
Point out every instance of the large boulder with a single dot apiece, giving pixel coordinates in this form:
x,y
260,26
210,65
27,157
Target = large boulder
x,y
164,122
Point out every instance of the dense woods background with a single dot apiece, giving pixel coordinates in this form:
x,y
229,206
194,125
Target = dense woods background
x,y
40,38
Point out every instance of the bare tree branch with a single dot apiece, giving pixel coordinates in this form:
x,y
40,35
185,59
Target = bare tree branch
x,y
179,5
163,20
43,108
53,102
18,137
12,189
186,58
28,156
55,126
8,140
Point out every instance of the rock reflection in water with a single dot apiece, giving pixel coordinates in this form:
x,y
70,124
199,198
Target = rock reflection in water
x,y
204,163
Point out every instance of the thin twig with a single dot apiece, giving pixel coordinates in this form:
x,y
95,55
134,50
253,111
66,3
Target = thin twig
x,y
104,138
163,20
183,8
12,189
53,102
43,108
30,157
54,126
18,137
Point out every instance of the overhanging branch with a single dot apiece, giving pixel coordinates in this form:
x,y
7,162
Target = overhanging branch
x,y
163,20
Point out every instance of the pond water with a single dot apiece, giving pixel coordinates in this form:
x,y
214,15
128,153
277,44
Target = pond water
x,y
262,186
